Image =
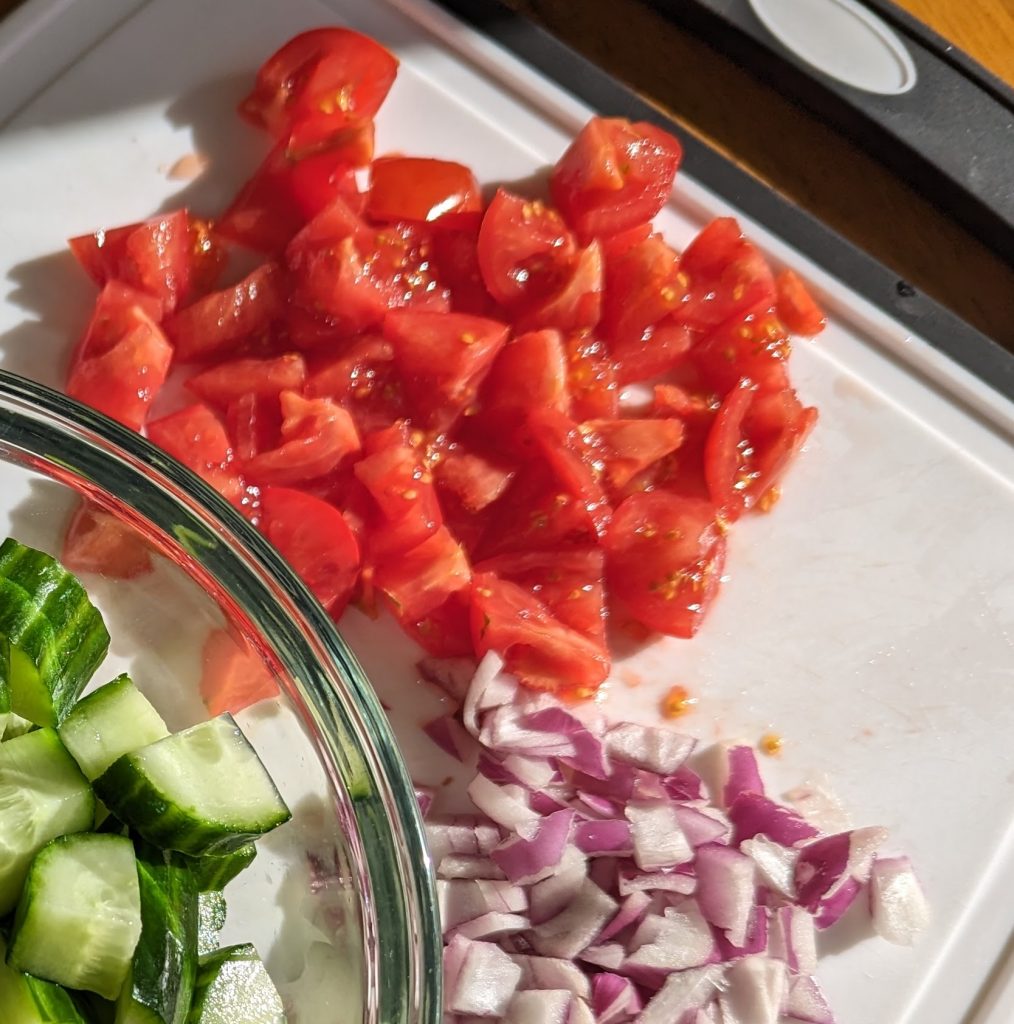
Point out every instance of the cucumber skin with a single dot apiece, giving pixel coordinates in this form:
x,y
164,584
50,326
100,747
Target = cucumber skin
x,y
45,613
215,873
42,1001
211,914
165,961
152,814
208,973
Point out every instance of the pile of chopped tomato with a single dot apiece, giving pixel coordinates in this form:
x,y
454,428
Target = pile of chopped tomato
x,y
423,399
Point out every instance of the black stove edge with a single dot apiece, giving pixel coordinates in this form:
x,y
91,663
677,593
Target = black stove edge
x,y
963,343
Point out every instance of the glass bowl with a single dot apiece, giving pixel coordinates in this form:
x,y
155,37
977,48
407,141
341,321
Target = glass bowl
x,y
340,901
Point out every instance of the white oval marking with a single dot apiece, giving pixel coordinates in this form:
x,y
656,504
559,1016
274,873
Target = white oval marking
x,y
843,39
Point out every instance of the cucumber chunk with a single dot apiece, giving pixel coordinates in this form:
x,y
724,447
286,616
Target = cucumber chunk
x,y
202,791
52,638
42,795
211,914
17,726
233,987
28,1000
79,918
5,705
215,873
111,722
161,981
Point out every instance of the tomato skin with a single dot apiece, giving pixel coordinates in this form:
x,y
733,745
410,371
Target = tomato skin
x,y
166,257
227,382
363,380
445,632
577,304
797,308
537,648
233,676
222,322
442,359
315,540
118,310
456,260
421,579
96,541
123,360
530,372
614,176
753,439
333,77
591,379
628,447
254,424
316,435
664,560
525,250
420,189
755,347
284,194
726,275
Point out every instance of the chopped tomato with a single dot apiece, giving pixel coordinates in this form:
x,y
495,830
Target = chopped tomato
x,y
315,540
327,78
197,438
797,308
265,378
752,441
476,481
316,434
525,251
97,541
284,193
576,305
233,676
664,560
755,347
164,257
123,360
254,424
537,648
363,380
421,579
442,359
444,632
220,323
529,372
625,448
615,176
726,275
455,258
570,584
591,379
404,188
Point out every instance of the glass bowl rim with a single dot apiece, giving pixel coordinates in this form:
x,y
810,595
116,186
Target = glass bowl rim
x,y
406,925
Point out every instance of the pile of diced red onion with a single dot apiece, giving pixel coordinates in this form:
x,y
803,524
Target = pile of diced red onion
x,y
604,880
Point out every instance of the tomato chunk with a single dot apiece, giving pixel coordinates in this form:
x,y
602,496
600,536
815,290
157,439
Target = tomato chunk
x,y
797,308
442,359
627,447
327,78
220,323
420,580
233,676
315,540
123,360
316,435
664,560
614,176
755,347
529,373
265,378
475,480
363,380
96,541
536,647
406,188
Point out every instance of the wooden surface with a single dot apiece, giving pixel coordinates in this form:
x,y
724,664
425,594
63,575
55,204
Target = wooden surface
x,y
795,153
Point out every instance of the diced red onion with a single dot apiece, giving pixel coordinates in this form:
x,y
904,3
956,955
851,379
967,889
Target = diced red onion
x,y
467,865
831,870
609,955
506,805
596,805
493,925
631,911
526,861
545,1007
793,939
678,939
547,972
536,773
703,824
576,926
451,675
424,795
823,809
450,736
644,746
756,940
776,864
596,838
489,688
726,888
806,1003
588,755
614,998
462,900
554,894
631,880
684,785
753,992
507,729
481,980
684,991
897,903
658,839
464,834
753,814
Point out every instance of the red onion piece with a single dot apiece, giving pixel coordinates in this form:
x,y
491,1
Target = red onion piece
x,y
588,755
897,903
614,998
658,839
450,736
726,888
609,955
462,900
508,806
545,1007
806,1003
678,939
597,838
490,688
684,992
631,911
631,880
753,813
656,750
754,990
547,972
530,860
481,980
553,895
830,871
467,865
703,824
493,925
451,675
776,864
575,927
793,939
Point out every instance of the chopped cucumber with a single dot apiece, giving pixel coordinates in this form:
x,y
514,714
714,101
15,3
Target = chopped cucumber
x,y
161,981
28,1000
79,916
111,722
52,638
17,726
233,987
217,872
5,705
211,913
42,795
202,791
